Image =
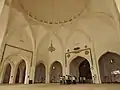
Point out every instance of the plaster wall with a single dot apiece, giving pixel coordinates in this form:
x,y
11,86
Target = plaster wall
x,y
96,27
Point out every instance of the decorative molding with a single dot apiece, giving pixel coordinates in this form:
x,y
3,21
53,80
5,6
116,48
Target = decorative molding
x,y
70,19
86,50
19,50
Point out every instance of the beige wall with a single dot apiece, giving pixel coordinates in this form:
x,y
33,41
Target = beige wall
x,y
97,28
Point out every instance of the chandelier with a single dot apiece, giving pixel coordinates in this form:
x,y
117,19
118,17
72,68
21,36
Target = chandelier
x,y
51,48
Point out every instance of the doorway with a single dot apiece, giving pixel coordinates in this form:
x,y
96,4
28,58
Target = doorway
x,y
80,68
55,72
7,74
20,76
40,73
109,66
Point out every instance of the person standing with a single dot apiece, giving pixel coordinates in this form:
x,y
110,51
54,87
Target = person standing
x,y
61,80
66,78
74,80
69,79
84,79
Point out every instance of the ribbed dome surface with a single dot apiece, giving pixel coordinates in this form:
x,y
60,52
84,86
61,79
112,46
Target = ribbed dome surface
x,y
54,10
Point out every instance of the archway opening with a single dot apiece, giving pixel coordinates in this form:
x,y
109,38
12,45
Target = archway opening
x,y
40,73
80,68
109,65
55,72
7,74
20,76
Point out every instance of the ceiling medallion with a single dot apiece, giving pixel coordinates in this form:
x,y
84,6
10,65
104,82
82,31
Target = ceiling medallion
x,y
51,48
86,52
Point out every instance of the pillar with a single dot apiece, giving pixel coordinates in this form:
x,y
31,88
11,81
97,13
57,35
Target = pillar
x,y
47,79
27,74
33,66
96,73
65,63
12,76
1,5
2,75
4,16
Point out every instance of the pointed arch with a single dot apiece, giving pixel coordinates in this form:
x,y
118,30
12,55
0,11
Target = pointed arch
x,y
7,74
109,67
81,32
14,26
55,72
40,73
80,68
21,72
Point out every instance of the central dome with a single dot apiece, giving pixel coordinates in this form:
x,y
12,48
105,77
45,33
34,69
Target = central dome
x,y
54,10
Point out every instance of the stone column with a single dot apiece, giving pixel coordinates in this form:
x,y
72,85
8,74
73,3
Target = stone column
x,y
65,63
33,66
12,76
27,74
2,2
47,79
4,16
96,74
67,70
1,74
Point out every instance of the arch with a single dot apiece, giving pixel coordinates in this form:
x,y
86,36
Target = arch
x,y
80,68
15,59
59,39
55,72
40,72
20,36
109,67
46,33
26,30
21,72
81,31
16,54
7,73
79,39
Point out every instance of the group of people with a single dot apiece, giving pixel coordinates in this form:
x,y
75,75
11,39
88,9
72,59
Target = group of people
x,y
68,79
73,80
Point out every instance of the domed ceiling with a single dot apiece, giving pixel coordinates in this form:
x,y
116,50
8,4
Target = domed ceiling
x,y
54,11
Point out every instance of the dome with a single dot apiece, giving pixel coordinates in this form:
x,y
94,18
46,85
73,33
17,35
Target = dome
x,y
54,11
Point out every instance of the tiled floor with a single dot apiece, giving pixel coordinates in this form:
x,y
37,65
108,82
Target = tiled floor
x,y
61,87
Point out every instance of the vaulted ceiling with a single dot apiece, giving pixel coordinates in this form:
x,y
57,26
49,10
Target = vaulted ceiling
x,y
118,4
54,10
